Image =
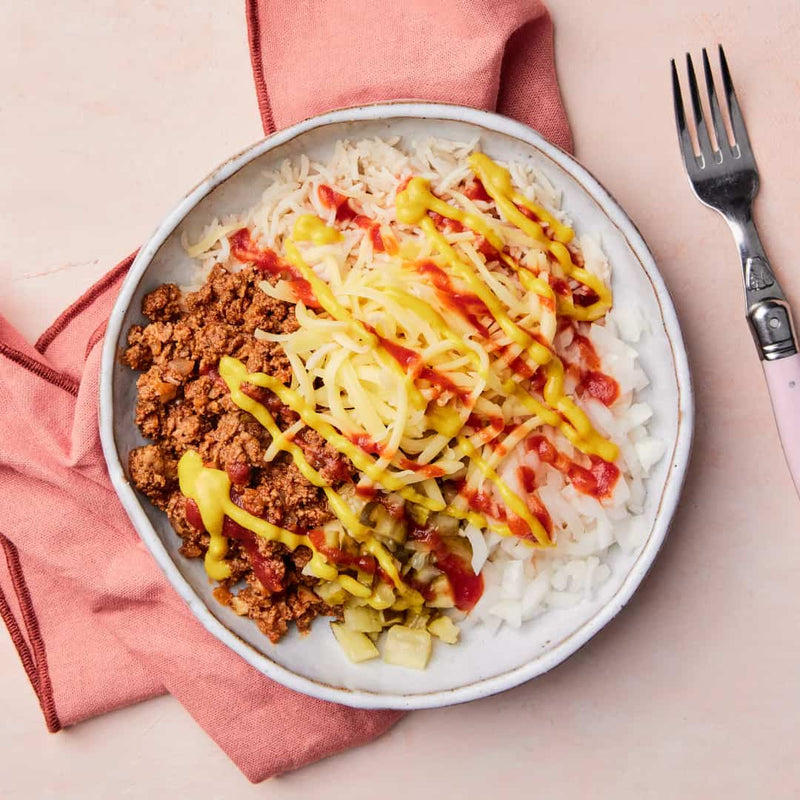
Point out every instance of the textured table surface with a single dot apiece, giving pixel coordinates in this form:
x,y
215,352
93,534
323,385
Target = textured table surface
x,y
111,109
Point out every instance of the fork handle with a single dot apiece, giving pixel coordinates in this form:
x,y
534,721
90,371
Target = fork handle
x,y
783,380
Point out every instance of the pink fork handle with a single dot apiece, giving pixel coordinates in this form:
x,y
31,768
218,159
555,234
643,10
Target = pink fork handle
x,y
783,380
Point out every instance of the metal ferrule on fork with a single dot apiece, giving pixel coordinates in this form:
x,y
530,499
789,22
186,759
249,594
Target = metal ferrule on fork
x,y
768,312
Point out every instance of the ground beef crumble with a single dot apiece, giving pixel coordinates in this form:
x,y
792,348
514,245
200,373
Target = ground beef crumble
x,y
184,404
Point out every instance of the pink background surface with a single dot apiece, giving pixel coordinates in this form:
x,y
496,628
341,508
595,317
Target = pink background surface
x,y
111,110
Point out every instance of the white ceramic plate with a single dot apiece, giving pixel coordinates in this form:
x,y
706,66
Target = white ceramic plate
x,y
481,664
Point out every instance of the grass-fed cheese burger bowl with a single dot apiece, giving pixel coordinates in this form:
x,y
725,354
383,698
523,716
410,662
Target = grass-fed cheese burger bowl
x,y
399,403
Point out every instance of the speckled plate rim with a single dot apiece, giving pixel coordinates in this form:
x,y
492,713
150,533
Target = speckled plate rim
x,y
672,487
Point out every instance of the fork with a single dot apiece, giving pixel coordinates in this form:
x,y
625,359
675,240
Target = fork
x,y
724,177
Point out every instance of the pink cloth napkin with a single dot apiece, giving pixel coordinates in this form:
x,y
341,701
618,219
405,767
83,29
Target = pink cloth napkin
x,y
96,624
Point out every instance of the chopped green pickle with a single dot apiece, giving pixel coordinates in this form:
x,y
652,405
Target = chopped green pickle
x,y
445,629
407,647
362,619
357,646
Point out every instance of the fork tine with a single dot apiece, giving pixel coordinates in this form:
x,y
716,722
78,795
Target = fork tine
x,y
740,137
716,116
685,141
700,123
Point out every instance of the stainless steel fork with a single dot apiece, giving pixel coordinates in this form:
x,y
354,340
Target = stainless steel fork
x,y
724,177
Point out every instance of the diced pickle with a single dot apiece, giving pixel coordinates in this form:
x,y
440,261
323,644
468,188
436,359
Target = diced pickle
x,y
417,619
364,578
332,593
407,647
357,646
401,604
382,596
332,533
445,629
368,513
388,527
418,513
391,617
441,593
362,619
444,525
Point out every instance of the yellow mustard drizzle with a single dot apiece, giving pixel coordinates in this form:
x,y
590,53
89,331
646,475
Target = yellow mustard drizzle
x,y
211,490
362,461
234,373
417,199
536,350
497,182
511,498
547,415
412,206
308,228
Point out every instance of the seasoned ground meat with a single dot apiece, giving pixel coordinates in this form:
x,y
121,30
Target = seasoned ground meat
x,y
272,614
163,304
154,472
195,541
284,497
184,404
328,461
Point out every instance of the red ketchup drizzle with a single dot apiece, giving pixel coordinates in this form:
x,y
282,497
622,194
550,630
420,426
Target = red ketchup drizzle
x,y
528,480
466,585
373,230
412,363
600,386
269,262
330,198
539,380
525,211
475,190
594,382
487,249
496,425
485,504
582,295
446,224
598,480
270,571
239,473
369,445
559,286
470,306
588,354
341,557
482,244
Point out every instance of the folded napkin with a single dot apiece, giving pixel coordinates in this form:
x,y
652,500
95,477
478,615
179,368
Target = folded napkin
x,y
96,624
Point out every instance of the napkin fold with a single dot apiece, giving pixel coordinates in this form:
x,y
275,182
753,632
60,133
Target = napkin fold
x,y
96,625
